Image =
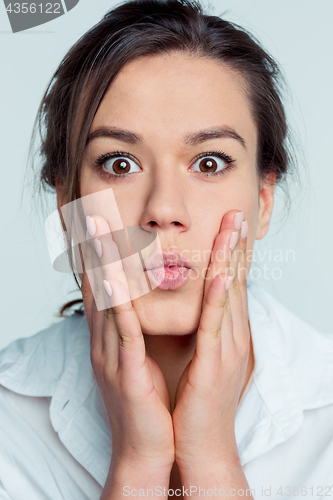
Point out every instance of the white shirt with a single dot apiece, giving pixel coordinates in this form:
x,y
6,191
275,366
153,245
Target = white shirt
x,y
55,441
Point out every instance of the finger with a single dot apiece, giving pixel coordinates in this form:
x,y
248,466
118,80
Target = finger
x,y
88,287
122,330
106,250
104,325
243,272
87,258
238,298
96,337
95,227
221,253
97,341
208,341
221,258
131,342
228,341
234,315
109,265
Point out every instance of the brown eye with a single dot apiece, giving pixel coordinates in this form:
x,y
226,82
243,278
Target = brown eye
x,y
208,165
121,165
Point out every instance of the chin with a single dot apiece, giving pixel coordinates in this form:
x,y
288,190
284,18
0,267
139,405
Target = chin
x,y
166,312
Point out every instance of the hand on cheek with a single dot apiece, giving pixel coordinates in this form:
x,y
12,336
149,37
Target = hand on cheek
x,y
131,383
209,389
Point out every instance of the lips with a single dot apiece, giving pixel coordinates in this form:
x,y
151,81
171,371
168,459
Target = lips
x,y
168,270
167,259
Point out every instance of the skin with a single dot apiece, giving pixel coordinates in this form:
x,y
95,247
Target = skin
x,y
164,330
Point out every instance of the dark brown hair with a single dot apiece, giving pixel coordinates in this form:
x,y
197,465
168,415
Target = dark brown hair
x,y
146,28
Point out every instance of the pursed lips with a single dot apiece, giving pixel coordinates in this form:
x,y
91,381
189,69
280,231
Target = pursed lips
x,y
167,259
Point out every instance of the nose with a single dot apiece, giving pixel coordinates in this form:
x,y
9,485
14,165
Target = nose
x,y
166,205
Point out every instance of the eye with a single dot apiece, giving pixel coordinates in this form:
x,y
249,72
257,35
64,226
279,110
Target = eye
x,y
212,163
117,164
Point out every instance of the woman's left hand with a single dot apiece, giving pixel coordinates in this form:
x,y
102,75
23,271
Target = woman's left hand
x,y
209,389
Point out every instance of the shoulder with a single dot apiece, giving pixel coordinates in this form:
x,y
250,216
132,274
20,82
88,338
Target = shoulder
x,y
33,365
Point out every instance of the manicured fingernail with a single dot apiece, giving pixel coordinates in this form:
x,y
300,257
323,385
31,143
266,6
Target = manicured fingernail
x,y
228,282
244,229
107,287
98,247
91,226
233,240
238,220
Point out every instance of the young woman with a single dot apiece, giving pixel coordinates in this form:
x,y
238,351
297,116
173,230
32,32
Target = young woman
x,y
206,385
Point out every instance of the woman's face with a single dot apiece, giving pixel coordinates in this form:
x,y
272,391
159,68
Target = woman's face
x,y
185,111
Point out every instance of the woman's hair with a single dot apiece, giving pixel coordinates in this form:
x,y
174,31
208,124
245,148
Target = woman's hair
x,y
141,28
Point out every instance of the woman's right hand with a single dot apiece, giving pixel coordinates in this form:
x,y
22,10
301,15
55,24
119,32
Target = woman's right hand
x,y
131,383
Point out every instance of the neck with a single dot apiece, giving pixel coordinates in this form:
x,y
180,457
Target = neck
x,y
173,353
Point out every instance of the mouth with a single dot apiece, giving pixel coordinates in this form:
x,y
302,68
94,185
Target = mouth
x,y
168,271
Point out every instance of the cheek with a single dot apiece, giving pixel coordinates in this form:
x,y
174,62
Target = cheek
x,y
242,195
85,182
130,205
205,224
90,182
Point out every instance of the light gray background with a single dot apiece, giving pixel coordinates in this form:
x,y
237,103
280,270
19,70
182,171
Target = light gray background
x,y
298,34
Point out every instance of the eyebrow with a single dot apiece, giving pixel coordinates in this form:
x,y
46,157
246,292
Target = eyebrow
x,y
115,133
190,139
214,133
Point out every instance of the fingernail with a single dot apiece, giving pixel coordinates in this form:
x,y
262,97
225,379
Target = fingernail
x,y
91,226
238,220
228,282
107,287
98,247
233,240
244,229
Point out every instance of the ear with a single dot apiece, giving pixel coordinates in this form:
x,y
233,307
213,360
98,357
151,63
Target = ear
x,y
266,202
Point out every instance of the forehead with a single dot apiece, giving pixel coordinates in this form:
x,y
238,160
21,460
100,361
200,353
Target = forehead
x,y
176,93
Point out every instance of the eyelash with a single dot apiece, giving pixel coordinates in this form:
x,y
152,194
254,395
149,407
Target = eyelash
x,y
104,158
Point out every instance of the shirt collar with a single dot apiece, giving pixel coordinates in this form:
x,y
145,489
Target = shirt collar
x,y
56,363
271,411
77,411
293,372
